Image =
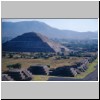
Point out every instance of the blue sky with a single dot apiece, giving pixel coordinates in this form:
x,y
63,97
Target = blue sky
x,y
81,25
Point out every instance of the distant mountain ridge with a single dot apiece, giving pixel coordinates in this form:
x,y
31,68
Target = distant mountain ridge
x,y
13,29
33,42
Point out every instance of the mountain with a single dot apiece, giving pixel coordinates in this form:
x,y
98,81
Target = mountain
x,y
33,42
13,29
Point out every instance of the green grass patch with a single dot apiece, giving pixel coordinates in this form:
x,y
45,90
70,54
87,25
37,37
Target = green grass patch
x,y
40,78
91,68
45,77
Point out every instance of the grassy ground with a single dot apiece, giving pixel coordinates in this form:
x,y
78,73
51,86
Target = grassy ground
x,y
40,78
45,77
91,68
28,62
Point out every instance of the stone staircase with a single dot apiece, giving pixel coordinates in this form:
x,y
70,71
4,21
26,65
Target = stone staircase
x,y
5,77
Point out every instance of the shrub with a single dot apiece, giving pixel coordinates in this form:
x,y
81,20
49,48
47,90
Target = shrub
x,y
9,66
48,66
17,65
14,66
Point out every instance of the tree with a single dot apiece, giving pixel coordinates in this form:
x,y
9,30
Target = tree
x,y
9,66
10,55
48,66
17,65
14,66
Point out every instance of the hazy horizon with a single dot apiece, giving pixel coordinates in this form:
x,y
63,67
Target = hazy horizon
x,y
79,25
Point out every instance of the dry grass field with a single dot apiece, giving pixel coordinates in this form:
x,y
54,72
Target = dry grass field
x,y
51,61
